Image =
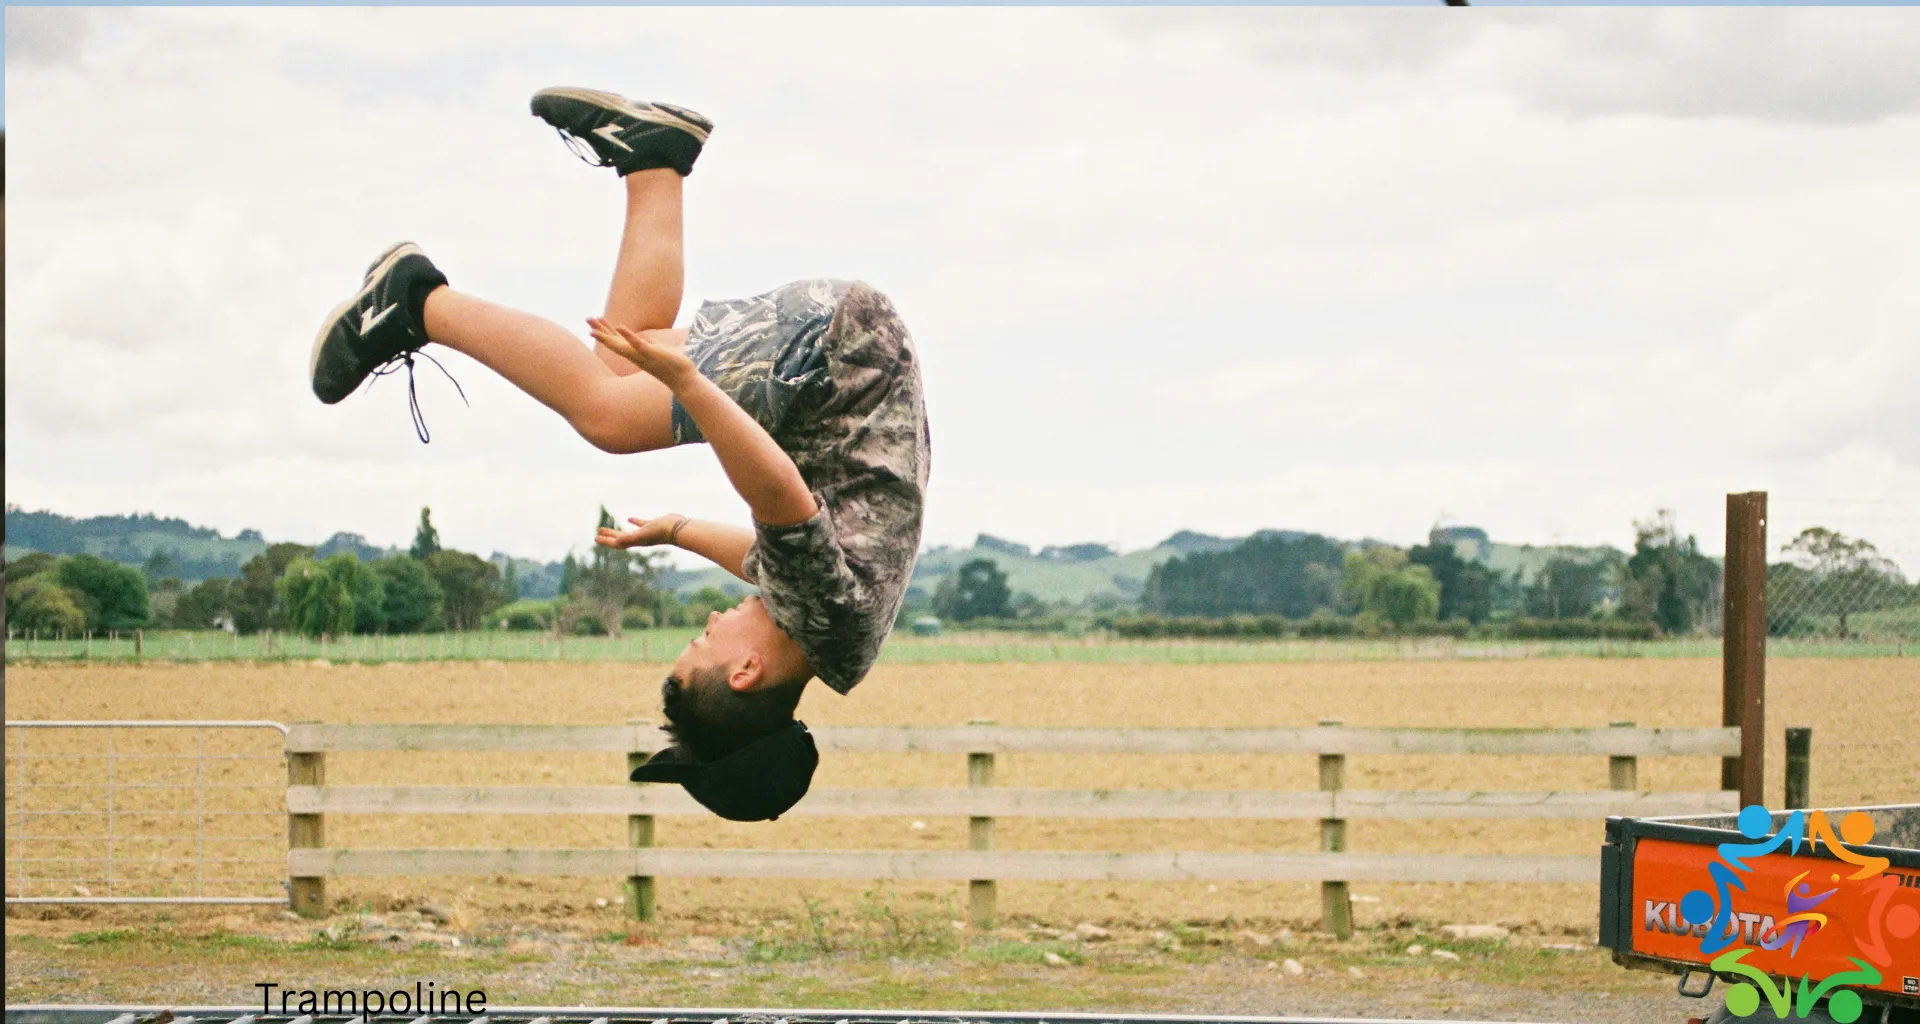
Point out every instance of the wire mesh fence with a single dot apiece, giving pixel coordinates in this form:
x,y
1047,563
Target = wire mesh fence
x,y
145,812
1843,572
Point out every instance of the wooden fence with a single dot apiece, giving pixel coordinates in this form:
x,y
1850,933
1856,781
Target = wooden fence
x,y
309,799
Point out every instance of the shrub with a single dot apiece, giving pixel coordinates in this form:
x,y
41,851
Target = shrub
x,y
523,615
1324,624
1579,629
1451,627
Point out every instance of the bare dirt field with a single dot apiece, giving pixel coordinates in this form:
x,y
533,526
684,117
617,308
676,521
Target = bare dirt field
x,y
1864,713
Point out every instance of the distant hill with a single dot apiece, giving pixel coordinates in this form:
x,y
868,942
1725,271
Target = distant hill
x,y
1073,573
198,552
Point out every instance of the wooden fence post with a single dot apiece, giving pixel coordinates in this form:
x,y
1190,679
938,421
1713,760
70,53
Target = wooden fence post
x,y
1623,773
980,891
1336,904
1743,652
639,837
1799,791
307,831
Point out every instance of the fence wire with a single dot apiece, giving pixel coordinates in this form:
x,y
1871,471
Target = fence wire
x,y
1843,571
145,812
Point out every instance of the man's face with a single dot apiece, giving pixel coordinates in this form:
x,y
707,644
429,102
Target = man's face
x,y
727,641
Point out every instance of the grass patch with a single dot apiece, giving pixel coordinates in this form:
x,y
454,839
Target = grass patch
x,y
111,937
995,952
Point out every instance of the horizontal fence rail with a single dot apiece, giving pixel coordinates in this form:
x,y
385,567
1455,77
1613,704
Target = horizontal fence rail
x,y
307,801
1019,803
310,800
954,865
1615,742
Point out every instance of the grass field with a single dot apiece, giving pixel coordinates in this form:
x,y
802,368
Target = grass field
x,y
745,942
646,645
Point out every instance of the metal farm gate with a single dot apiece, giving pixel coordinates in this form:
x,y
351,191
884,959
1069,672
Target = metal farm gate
x,y
146,812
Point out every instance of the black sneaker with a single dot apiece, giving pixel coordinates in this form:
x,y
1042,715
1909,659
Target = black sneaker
x,y
609,130
380,324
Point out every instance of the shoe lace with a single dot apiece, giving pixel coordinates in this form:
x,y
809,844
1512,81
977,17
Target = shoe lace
x,y
405,359
580,148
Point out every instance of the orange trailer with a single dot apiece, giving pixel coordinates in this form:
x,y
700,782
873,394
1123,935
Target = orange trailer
x,y
1706,899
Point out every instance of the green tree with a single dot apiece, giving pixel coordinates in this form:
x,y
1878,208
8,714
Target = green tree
x,y
164,600
256,600
1567,589
613,580
160,565
1382,580
208,600
1843,575
33,563
114,596
1466,587
509,582
469,587
410,597
426,539
40,603
1667,581
977,590
328,596
569,574
1267,574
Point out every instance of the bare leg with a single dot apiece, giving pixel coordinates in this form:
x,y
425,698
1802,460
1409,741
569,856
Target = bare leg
x,y
617,414
604,396
649,276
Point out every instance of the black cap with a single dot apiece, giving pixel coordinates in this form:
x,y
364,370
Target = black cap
x,y
758,782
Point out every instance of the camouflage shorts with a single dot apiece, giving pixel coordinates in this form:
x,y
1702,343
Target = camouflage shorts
x,y
764,352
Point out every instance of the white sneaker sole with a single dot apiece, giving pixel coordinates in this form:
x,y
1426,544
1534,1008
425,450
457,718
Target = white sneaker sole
x,y
380,269
620,104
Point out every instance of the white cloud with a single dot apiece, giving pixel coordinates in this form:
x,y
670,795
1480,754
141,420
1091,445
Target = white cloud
x,y
1219,270
43,36
1804,65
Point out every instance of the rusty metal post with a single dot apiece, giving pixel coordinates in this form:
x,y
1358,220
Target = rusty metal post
x,y
1744,644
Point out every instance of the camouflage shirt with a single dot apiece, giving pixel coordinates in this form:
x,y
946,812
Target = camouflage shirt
x,y
829,370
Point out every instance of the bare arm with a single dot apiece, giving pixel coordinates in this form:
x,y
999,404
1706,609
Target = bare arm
x,y
723,545
759,470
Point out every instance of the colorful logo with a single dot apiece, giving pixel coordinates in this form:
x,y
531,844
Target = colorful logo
x,y
1804,922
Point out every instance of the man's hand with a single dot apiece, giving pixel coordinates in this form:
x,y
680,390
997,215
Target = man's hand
x,y
662,354
646,532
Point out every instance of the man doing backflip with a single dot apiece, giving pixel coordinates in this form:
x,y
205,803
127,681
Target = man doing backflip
x,y
809,395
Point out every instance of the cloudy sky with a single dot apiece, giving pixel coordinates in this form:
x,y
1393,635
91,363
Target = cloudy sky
x,y
1349,271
